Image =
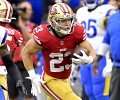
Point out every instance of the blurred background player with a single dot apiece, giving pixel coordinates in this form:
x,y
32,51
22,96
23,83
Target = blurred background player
x,y
57,40
23,13
111,42
9,40
94,21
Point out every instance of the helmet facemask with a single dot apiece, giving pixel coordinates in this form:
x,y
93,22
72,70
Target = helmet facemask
x,y
63,29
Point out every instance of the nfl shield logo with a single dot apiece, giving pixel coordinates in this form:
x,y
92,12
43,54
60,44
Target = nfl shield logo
x,y
61,42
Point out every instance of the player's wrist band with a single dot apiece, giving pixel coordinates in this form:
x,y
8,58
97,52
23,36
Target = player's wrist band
x,y
31,72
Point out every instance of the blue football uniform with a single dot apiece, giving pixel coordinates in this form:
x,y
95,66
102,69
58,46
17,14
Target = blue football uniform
x,y
94,24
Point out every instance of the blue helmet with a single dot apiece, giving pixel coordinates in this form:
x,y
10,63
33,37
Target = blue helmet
x,y
91,4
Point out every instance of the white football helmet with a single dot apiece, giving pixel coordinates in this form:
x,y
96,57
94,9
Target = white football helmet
x,y
58,13
6,11
91,4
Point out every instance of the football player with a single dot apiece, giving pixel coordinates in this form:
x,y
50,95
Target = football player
x,y
22,13
94,20
9,40
56,40
110,42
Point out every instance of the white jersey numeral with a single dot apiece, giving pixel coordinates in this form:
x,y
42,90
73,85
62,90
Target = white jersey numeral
x,y
57,58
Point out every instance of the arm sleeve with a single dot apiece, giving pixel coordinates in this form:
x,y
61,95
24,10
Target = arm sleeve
x,y
106,38
19,38
104,47
11,68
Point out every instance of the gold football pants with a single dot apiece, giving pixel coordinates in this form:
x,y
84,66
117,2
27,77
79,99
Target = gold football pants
x,y
3,83
58,89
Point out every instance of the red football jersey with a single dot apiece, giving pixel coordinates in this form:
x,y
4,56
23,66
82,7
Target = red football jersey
x,y
56,51
14,39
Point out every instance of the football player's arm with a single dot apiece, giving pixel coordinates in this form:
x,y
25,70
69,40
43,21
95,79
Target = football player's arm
x,y
25,33
11,67
104,47
3,50
8,62
85,44
30,48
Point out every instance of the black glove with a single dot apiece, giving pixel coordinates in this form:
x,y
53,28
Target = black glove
x,y
21,87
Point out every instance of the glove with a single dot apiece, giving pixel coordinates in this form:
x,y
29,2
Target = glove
x,y
21,87
82,59
35,79
107,69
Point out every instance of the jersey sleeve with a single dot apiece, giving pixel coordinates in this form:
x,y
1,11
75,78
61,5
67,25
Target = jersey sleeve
x,y
36,35
19,38
108,13
3,36
84,36
39,35
106,38
81,33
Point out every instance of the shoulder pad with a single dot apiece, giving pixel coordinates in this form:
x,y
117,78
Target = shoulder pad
x,y
3,35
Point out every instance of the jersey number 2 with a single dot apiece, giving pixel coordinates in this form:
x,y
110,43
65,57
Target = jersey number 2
x,y
57,58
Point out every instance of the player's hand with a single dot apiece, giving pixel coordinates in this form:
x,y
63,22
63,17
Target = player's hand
x,y
35,84
107,69
21,87
95,68
84,59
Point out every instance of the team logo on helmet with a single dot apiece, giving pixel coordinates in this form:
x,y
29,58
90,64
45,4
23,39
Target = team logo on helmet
x,y
53,11
6,11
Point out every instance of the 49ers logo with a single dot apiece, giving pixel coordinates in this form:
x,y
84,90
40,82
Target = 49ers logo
x,y
53,11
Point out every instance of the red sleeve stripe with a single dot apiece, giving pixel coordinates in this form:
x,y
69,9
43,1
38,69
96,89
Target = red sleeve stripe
x,y
84,37
36,39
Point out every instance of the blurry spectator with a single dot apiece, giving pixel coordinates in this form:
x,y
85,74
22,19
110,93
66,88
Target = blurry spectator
x,y
23,14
